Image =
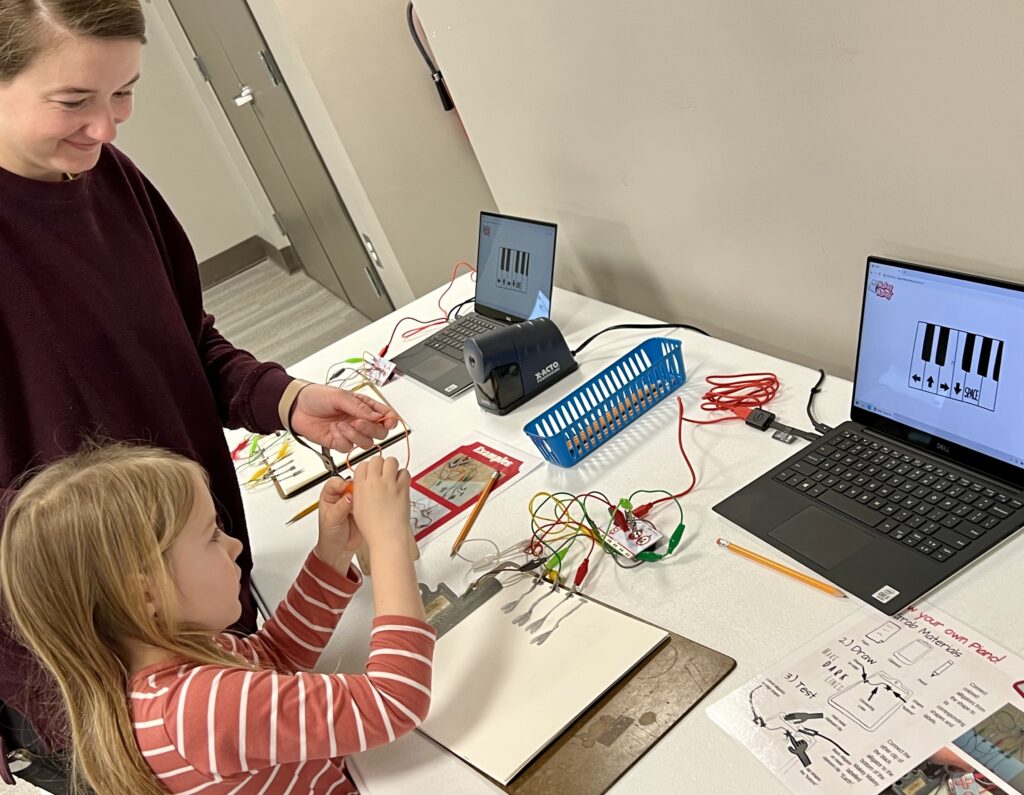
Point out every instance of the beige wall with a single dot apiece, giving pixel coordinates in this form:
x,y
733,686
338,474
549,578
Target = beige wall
x,y
180,139
733,163
404,167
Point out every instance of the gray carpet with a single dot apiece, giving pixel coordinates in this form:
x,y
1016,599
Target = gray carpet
x,y
277,316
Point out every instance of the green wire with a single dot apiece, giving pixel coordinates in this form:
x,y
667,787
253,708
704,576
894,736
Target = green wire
x,y
557,554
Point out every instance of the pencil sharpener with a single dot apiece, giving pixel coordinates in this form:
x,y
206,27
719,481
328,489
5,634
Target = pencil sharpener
x,y
512,364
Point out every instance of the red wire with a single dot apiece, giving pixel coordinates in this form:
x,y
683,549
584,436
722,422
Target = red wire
x,y
425,324
737,394
740,391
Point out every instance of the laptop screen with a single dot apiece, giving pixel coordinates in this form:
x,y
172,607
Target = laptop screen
x,y
943,355
515,267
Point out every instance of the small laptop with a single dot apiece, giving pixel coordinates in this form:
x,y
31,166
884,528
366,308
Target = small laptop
x,y
515,272
928,473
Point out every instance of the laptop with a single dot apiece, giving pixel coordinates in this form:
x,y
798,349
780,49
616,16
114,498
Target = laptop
x,y
515,272
927,475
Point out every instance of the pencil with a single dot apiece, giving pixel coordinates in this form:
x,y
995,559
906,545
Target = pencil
x,y
310,508
475,513
304,512
771,564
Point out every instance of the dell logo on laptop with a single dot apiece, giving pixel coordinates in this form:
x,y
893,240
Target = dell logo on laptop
x,y
943,448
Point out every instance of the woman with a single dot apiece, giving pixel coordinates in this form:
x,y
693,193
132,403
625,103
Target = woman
x,y
102,329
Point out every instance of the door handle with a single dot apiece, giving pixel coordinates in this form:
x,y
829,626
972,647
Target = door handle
x,y
244,97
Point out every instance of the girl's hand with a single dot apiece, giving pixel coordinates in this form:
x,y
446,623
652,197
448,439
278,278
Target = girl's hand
x,y
382,502
339,536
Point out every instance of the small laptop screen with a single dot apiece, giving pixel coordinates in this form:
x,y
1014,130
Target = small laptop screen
x,y
515,267
945,356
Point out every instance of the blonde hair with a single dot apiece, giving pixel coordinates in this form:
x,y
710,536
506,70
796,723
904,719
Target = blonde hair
x,y
29,27
84,543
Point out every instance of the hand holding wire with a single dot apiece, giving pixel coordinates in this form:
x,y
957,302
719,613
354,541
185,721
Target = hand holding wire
x,y
339,537
339,419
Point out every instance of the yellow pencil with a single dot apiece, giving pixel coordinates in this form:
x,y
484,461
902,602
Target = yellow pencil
x,y
771,564
310,508
476,512
304,512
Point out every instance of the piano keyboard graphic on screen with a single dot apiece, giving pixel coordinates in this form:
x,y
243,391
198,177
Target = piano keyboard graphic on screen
x,y
513,269
956,364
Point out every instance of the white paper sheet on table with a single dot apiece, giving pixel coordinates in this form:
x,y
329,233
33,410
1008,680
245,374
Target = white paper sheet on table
x,y
499,699
911,703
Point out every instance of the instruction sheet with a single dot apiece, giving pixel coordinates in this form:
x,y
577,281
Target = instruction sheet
x,y
915,704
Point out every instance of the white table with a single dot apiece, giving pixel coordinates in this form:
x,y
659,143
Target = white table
x,y
702,593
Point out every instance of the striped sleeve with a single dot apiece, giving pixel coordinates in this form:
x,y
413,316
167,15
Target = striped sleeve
x,y
302,625
224,721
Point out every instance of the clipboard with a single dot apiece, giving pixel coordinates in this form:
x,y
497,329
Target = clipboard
x,y
302,468
595,750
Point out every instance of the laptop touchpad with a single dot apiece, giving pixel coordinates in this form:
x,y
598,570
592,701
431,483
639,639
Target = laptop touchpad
x,y
821,537
436,368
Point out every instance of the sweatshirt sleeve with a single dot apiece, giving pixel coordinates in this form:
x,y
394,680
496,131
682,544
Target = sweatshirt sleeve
x,y
247,391
295,636
226,721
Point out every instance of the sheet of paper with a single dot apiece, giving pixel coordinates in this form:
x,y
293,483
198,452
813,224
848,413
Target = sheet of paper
x,y
915,704
508,683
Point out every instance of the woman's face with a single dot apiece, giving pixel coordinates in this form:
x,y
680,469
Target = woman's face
x,y
55,115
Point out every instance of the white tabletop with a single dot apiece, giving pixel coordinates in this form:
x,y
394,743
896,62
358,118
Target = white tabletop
x,y
702,593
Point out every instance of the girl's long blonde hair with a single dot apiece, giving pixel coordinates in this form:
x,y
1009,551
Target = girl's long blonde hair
x,y
82,552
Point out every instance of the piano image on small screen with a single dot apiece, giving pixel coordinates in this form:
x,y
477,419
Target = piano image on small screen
x,y
513,269
955,364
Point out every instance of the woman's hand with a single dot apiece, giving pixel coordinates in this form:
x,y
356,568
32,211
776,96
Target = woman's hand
x,y
340,419
339,536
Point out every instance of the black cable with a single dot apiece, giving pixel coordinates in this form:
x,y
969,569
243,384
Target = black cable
x,y
416,38
435,73
807,435
820,427
762,419
590,339
456,309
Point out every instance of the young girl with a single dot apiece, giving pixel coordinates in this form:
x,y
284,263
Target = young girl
x,y
119,578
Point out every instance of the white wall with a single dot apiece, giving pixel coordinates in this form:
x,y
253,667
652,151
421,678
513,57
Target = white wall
x,y
733,163
403,166
180,139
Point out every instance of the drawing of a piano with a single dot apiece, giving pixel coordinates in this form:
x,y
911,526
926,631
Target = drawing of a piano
x,y
513,269
958,365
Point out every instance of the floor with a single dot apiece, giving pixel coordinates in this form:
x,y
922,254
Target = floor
x,y
277,316
22,788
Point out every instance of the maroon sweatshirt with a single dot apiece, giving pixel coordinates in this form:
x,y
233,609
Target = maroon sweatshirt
x,y
103,335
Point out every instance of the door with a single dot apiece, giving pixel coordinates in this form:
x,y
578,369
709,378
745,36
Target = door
x,y
239,67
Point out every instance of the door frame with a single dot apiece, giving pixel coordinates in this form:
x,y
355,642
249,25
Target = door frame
x,y
321,129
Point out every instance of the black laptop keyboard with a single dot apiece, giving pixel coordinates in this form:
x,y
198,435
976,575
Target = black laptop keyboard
x,y
936,511
450,339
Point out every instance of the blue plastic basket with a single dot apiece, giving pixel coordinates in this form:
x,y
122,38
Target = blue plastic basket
x,y
574,427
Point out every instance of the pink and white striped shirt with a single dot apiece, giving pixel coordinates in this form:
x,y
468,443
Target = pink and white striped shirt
x,y
281,730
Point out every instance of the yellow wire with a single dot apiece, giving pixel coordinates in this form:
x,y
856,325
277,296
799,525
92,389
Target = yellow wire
x,y
573,526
